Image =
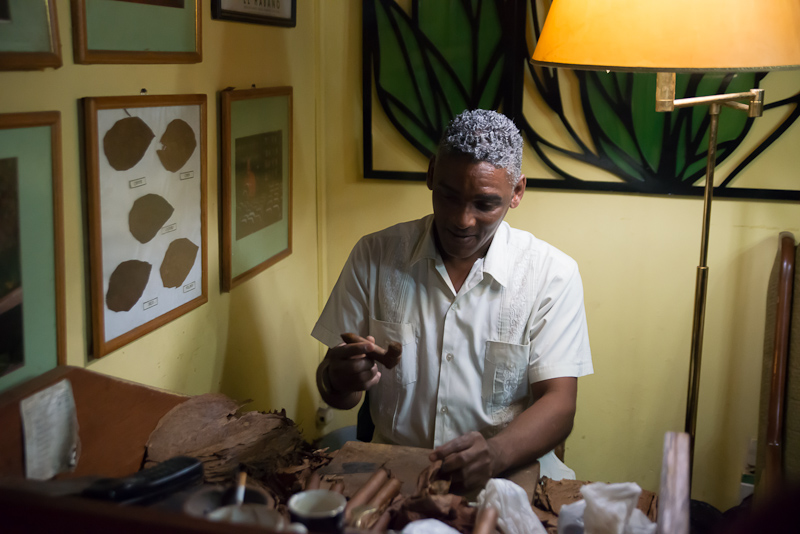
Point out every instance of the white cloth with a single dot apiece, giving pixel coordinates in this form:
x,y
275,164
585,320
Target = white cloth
x,y
428,526
611,509
468,357
514,512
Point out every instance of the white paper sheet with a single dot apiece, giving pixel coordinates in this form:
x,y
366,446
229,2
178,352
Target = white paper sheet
x,y
50,425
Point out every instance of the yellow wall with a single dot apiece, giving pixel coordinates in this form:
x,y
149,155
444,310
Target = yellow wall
x,y
637,256
252,343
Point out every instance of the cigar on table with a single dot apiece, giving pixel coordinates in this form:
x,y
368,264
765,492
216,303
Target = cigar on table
x,y
382,523
385,495
389,356
313,481
366,492
378,504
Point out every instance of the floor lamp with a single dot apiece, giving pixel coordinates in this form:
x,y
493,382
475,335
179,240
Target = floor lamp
x,y
669,36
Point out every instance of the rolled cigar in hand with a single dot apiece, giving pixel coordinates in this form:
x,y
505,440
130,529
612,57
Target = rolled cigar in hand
x,y
388,357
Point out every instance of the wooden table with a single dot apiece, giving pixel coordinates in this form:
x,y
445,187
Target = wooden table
x,y
356,461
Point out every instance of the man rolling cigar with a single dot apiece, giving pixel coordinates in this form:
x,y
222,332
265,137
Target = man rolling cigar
x,y
490,320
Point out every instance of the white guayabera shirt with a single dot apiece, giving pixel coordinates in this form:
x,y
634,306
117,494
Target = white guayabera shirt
x,y
468,357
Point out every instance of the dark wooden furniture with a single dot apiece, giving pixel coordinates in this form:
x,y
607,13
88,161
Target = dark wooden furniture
x,y
115,418
779,417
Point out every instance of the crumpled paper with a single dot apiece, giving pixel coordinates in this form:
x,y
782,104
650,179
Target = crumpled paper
x,y
515,515
606,509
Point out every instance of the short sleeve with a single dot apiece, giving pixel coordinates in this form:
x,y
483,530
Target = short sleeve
x,y
347,309
559,335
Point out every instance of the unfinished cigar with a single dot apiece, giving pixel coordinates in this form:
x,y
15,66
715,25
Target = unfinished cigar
x,y
486,521
388,357
366,492
313,481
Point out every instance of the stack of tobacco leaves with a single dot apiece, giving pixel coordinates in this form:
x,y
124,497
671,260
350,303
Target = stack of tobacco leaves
x,y
210,428
433,500
551,495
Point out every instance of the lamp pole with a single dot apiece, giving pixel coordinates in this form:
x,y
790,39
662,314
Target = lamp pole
x,y
665,101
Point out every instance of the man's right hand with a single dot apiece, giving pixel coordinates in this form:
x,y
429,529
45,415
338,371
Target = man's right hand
x,y
351,368
346,371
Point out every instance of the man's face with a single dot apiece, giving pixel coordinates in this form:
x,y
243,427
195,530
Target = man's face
x,y
470,201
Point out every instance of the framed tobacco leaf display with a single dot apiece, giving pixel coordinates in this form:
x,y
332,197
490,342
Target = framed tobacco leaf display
x,y
146,173
32,331
256,181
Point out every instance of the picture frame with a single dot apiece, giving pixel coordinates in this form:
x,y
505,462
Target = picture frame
x,y
147,208
32,282
256,195
269,12
29,37
137,31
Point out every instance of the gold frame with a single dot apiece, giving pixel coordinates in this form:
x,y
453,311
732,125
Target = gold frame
x,y
10,121
227,97
93,105
83,55
37,60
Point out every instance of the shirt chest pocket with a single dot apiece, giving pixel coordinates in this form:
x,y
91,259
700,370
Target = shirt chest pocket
x,y
505,375
403,333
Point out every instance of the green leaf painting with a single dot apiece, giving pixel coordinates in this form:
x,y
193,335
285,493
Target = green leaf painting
x,y
428,60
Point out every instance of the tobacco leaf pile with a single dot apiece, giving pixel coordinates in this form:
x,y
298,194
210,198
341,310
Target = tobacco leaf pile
x,y
211,428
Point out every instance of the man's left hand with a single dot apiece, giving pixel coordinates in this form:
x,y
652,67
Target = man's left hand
x,y
470,459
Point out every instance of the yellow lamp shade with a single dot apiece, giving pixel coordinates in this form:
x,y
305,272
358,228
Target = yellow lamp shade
x,y
671,35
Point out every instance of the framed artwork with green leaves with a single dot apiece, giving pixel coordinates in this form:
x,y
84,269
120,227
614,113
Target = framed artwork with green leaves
x,y
425,61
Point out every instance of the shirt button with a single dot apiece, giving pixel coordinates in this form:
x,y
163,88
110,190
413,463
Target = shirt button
x,y
444,409
449,357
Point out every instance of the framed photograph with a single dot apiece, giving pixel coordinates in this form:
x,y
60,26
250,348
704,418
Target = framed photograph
x,y
29,35
271,12
32,301
146,174
137,31
256,181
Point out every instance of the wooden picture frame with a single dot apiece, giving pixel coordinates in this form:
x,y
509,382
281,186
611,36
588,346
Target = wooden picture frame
x,y
256,181
146,183
137,31
269,12
29,39
31,246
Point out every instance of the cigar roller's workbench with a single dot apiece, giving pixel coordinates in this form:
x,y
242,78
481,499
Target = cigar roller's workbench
x,y
115,418
356,461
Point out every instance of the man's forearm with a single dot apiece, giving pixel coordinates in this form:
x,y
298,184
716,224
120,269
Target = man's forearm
x,y
537,430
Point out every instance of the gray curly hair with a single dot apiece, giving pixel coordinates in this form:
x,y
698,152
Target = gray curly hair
x,y
486,136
